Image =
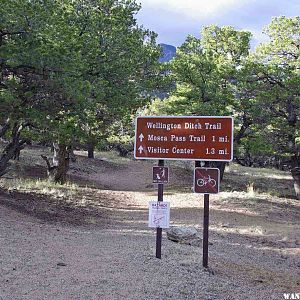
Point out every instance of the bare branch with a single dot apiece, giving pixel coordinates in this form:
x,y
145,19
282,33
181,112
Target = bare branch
x,y
45,158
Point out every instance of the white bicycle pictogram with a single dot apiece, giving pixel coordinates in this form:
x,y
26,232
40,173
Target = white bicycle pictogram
x,y
206,180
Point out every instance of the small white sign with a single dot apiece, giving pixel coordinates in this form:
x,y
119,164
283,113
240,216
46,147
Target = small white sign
x,y
159,214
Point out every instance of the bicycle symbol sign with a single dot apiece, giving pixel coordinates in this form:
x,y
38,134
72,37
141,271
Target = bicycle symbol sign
x,y
206,180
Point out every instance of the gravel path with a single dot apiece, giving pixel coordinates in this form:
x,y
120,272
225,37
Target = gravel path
x,y
109,252
50,261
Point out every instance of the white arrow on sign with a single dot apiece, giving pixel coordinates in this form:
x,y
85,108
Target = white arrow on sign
x,y
141,149
141,136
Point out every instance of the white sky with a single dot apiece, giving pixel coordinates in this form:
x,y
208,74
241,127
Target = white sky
x,y
173,20
194,8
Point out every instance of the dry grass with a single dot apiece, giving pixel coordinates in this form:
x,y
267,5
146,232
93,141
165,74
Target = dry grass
x,y
38,186
254,221
30,174
242,189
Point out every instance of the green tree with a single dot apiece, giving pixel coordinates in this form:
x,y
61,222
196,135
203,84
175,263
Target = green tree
x,y
62,60
266,99
205,69
277,88
206,73
37,64
122,67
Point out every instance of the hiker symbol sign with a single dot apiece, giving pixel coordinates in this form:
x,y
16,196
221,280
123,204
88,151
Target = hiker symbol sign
x,y
160,174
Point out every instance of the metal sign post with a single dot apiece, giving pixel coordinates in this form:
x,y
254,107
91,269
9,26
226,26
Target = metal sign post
x,y
198,138
206,181
205,230
160,197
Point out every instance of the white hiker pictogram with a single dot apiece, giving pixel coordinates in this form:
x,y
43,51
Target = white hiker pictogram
x,y
161,174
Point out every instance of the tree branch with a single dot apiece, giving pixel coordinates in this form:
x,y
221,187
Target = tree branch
x,y
4,128
45,158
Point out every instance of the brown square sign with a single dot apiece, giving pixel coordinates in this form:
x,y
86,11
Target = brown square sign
x,y
160,174
207,180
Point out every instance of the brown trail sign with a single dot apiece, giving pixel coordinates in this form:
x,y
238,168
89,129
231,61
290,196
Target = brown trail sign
x,y
184,138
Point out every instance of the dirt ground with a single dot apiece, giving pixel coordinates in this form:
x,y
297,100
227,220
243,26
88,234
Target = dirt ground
x,y
90,239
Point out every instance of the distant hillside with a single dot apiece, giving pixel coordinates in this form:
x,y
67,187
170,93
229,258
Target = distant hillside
x,y
169,52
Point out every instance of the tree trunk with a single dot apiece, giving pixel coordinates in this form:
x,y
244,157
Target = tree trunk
x,y
292,145
4,128
12,148
296,176
221,166
6,155
55,159
72,154
246,123
216,164
60,163
91,149
63,164
295,162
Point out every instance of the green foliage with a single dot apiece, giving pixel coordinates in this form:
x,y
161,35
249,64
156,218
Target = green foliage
x,y
64,61
278,85
217,75
77,71
204,70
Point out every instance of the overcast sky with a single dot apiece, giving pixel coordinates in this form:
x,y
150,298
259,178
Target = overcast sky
x,y
173,20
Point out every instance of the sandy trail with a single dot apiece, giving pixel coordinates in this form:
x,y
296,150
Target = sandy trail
x,y
52,261
109,252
